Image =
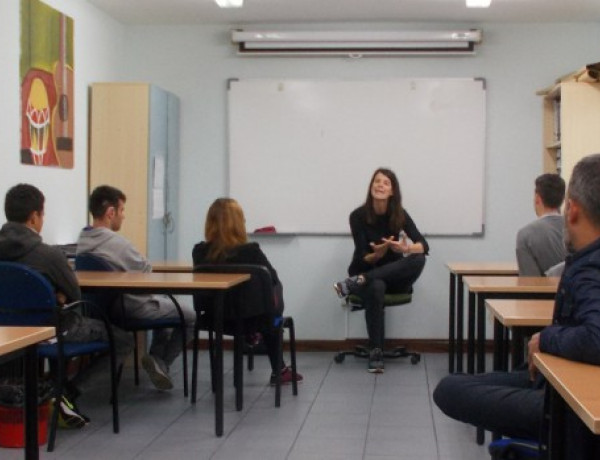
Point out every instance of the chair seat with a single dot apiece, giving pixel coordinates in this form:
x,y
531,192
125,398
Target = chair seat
x,y
389,300
148,324
72,349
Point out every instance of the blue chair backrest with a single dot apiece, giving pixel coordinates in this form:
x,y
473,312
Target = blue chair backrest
x,y
26,297
106,298
90,262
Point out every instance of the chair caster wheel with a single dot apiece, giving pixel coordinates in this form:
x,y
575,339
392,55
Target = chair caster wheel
x,y
339,358
414,359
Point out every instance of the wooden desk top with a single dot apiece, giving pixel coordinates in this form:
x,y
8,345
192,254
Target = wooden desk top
x,y
171,266
14,338
577,383
483,268
521,313
160,280
512,284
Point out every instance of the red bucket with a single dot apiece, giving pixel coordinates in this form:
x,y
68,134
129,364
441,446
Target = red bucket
x,y
12,431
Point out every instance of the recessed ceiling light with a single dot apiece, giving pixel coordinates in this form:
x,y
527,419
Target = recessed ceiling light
x,y
478,3
230,3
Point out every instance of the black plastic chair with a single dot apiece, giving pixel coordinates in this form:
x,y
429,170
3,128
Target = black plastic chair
x,y
243,305
27,299
355,303
108,299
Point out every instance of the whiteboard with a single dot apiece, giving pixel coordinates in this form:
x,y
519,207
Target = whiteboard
x,y
302,152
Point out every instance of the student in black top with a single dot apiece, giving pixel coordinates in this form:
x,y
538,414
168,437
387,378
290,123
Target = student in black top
x,y
227,242
389,255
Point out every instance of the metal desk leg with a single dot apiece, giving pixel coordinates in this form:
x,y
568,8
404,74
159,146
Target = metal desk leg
x,y
480,350
451,323
31,403
460,315
471,335
480,333
218,321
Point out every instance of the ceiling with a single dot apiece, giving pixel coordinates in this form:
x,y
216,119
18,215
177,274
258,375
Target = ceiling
x,y
302,11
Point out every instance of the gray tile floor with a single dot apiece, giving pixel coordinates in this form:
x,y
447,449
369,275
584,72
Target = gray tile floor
x,y
342,412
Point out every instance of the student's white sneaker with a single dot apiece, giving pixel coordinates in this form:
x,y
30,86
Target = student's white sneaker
x,y
159,378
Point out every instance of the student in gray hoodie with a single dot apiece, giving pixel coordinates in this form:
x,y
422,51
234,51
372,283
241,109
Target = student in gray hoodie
x,y
107,206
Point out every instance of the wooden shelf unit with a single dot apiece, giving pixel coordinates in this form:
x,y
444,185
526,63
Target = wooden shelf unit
x,y
571,116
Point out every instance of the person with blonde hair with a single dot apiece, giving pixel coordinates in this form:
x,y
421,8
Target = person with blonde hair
x,y
227,243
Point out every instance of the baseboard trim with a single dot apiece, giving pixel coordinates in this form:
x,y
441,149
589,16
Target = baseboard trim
x,y
420,345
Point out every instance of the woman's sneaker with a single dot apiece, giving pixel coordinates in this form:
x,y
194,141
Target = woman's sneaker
x,y
286,377
348,286
376,365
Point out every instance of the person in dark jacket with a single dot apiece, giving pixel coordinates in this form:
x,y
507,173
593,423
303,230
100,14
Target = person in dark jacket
x,y
512,403
21,242
227,242
384,259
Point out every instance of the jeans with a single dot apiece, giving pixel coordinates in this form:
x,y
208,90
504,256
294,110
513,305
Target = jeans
x,y
504,402
395,277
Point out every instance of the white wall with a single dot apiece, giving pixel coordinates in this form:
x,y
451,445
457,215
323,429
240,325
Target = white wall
x,y
195,62
98,56
516,60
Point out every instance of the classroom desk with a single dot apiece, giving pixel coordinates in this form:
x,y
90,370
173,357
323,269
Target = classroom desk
x,y
481,288
171,266
456,301
519,316
175,284
575,384
14,341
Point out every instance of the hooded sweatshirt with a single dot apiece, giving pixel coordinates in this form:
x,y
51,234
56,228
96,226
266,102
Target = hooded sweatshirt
x,y
19,243
120,254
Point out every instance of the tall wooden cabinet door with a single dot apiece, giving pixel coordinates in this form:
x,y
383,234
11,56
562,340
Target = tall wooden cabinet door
x,y
580,123
118,155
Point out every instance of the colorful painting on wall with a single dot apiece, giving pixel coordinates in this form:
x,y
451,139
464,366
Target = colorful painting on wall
x,y
46,73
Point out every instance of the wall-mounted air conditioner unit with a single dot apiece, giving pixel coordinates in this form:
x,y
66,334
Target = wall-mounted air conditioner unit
x,y
357,43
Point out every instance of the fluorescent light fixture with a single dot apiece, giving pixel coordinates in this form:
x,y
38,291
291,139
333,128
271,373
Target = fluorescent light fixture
x,y
356,43
478,3
230,3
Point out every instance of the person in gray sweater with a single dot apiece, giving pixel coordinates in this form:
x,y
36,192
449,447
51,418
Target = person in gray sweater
x,y
107,206
540,244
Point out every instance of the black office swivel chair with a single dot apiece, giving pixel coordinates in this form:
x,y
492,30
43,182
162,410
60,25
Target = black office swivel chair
x,y
355,303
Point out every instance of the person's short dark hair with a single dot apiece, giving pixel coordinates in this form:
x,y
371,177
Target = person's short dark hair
x,y
22,200
551,189
102,198
584,186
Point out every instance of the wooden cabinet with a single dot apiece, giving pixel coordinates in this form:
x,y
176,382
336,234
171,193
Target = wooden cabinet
x,y
570,123
134,146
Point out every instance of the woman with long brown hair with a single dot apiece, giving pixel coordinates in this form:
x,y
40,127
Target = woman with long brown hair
x,y
227,242
384,259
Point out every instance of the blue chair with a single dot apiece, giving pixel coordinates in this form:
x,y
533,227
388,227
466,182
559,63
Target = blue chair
x,y
514,449
355,303
248,308
91,262
27,299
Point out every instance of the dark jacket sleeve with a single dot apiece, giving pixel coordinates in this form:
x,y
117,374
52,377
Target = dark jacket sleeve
x,y
413,232
60,274
259,258
359,235
578,338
